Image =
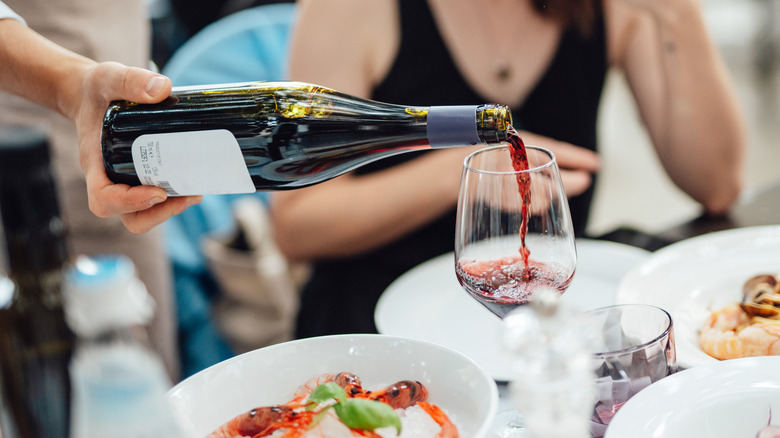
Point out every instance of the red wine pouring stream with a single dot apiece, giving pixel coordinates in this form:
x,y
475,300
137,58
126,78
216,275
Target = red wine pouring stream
x,y
520,164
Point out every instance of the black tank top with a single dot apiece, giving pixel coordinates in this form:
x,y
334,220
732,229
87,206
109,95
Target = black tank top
x,y
341,294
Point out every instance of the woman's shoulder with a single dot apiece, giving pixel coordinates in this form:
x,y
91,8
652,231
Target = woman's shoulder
x,y
346,42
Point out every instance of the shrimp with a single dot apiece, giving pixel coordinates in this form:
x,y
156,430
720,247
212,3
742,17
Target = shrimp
x,y
263,421
729,333
306,389
349,381
399,395
448,429
292,420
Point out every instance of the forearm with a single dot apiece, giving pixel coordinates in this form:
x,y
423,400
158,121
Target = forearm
x,y
39,70
353,214
695,121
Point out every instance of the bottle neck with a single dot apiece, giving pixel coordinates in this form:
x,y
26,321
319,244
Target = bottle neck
x,y
494,123
468,125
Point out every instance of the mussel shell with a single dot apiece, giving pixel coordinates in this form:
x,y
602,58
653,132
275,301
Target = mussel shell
x,y
757,286
770,298
757,309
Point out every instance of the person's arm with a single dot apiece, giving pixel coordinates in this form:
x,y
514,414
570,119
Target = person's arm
x,y
684,94
41,71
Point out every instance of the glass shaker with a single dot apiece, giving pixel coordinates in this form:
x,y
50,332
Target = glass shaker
x,y
551,359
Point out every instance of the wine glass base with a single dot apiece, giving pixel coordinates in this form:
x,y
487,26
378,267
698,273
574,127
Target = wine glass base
x,y
509,424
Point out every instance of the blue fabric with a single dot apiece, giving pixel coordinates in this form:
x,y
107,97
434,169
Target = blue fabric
x,y
250,45
200,344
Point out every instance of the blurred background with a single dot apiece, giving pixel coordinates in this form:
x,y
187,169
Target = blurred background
x,y
748,33
633,190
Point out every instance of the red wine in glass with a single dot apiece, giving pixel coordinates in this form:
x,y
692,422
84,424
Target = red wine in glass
x,y
504,281
505,284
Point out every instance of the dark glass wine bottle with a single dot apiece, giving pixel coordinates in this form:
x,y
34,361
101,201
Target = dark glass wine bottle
x,y
239,138
35,342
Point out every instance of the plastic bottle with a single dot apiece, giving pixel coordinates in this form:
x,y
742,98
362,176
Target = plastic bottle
x,y
240,138
119,383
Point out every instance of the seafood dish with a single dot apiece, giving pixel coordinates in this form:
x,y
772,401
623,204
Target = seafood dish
x,y
748,328
338,405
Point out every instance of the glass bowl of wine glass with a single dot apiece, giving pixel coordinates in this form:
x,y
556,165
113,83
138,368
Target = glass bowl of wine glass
x,y
514,233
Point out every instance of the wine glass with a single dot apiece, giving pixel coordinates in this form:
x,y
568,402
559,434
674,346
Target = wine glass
x,y
514,235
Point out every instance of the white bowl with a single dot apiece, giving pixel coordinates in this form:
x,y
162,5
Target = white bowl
x,y
733,398
693,277
271,375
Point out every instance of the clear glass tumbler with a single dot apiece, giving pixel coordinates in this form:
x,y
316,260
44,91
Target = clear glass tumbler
x,y
634,348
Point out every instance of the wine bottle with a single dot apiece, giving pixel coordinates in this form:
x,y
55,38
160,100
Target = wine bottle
x,y
119,382
240,138
35,341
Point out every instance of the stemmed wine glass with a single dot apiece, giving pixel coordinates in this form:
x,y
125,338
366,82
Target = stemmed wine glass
x,y
514,234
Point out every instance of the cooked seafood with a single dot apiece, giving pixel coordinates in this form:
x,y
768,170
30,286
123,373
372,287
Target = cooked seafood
x,y
729,333
748,328
761,296
337,405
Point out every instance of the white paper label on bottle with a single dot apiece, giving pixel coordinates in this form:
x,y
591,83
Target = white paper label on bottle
x,y
192,163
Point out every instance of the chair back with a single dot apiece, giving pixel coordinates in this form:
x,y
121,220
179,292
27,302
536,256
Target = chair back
x,y
229,300
249,45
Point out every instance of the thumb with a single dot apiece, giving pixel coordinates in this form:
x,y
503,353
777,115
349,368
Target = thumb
x,y
155,87
148,87
142,86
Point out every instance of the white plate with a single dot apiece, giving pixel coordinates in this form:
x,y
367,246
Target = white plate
x,y
428,303
694,276
271,375
722,400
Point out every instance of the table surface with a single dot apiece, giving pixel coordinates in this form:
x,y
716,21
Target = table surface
x,y
756,209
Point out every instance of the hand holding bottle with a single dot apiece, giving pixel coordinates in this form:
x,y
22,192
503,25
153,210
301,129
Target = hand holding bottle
x,y
140,208
81,89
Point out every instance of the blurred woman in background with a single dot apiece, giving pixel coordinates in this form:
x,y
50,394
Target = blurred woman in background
x,y
548,61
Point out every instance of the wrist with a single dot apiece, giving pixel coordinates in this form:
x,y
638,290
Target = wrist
x,y
71,81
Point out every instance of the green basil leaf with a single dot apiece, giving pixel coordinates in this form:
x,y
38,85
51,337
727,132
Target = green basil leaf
x,y
326,391
359,413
